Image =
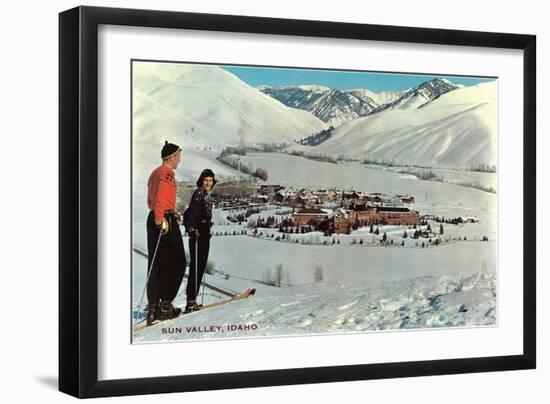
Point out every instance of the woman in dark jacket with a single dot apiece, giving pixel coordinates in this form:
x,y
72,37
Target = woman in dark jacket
x,y
198,222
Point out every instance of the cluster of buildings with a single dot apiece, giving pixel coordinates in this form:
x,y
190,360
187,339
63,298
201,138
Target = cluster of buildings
x,y
306,198
328,210
340,211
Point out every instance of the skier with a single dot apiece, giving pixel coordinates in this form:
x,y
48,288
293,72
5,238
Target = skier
x,y
164,242
198,222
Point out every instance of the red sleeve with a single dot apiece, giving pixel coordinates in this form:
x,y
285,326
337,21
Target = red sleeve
x,y
161,200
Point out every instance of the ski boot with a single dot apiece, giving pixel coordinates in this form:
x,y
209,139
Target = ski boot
x,y
152,313
168,311
192,306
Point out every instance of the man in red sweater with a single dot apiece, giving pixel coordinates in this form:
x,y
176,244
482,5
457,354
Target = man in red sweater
x,y
164,242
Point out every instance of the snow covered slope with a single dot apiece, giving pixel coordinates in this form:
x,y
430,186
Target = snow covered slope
x,y
456,129
203,107
423,302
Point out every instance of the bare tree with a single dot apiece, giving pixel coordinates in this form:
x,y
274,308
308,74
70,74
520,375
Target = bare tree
x,y
318,274
278,275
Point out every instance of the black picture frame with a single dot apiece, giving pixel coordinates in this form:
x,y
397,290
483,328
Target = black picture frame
x,y
78,196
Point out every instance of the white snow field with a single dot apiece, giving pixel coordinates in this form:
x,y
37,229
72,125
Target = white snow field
x,y
328,307
472,179
364,287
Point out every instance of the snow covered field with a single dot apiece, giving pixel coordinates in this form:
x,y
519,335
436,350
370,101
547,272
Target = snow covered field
x,y
472,179
328,307
363,287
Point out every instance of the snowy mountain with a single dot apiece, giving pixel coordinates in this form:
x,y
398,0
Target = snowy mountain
x,y
330,105
338,106
420,95
381,98
456,129
203,107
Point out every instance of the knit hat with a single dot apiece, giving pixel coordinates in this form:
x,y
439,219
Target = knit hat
x,y
206,173
169,149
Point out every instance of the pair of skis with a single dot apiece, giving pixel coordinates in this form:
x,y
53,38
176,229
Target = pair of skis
x,y
243,295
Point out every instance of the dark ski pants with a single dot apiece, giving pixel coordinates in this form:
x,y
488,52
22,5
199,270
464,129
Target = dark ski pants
x,y
203,244
169,266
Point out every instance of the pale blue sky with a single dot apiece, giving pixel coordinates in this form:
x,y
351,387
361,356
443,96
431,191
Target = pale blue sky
x,y
341,80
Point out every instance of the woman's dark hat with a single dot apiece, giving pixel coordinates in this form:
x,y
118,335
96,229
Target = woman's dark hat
x,y
168,150
206,173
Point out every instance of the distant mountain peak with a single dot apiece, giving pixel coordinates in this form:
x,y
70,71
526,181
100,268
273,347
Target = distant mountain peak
x,y
335,107
420,95
331,105
313,87
305,87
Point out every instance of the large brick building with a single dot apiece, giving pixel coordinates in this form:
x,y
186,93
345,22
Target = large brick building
x,y
304,216
362,215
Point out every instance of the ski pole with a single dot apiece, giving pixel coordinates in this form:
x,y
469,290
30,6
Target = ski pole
x,y
202,298
196,266
148,275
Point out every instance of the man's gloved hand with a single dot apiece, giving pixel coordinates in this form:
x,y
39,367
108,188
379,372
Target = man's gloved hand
x,y
164,226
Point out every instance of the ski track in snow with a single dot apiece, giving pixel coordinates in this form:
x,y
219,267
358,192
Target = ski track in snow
x,y
422,302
